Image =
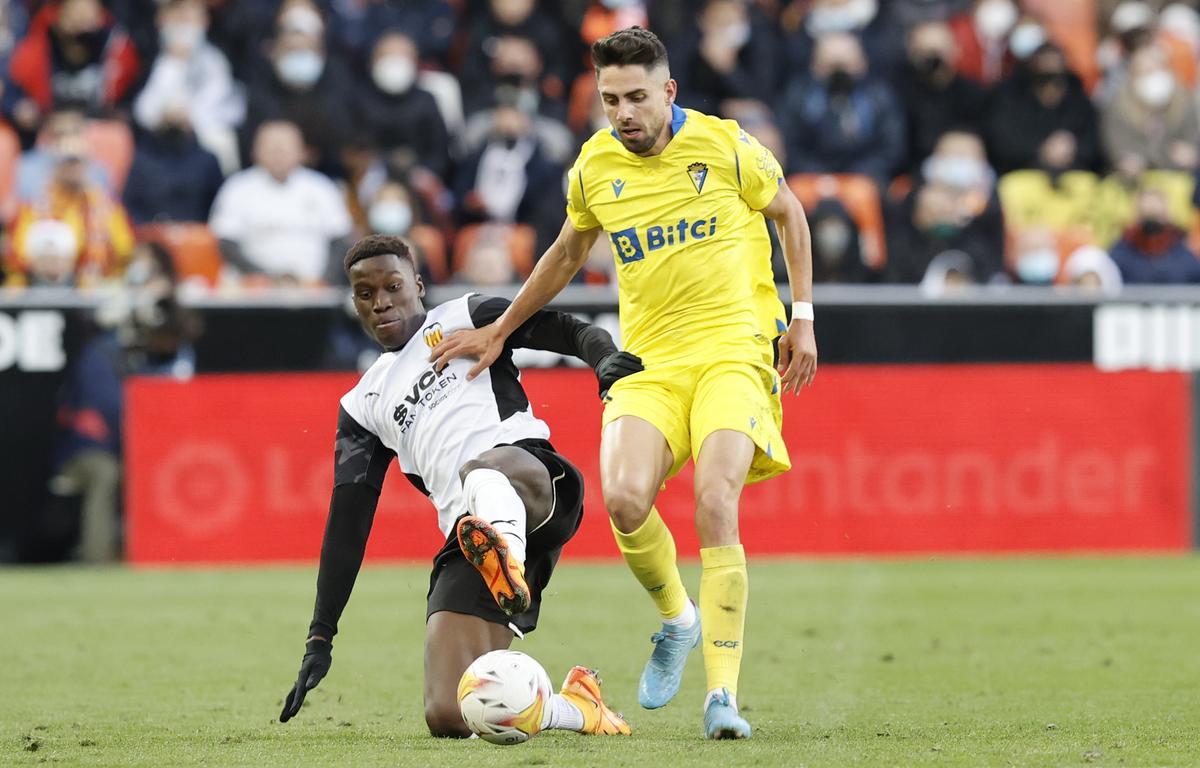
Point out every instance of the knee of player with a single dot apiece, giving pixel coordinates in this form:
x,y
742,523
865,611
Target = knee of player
x,y
628,507
444,720
717,502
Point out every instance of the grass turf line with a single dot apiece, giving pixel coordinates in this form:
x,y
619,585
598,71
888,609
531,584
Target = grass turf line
x,y
941,662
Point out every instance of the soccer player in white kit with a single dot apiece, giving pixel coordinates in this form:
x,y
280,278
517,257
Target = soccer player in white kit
x,y
506,501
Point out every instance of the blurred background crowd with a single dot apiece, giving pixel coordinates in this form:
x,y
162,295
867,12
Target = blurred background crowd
x,y
245,144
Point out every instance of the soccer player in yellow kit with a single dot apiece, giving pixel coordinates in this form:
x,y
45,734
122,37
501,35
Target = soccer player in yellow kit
x,y
682,196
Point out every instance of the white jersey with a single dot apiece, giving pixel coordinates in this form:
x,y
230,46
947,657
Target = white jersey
x,y
436,422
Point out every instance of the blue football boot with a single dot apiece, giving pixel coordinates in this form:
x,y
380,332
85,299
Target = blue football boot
x,y
721,718
664,671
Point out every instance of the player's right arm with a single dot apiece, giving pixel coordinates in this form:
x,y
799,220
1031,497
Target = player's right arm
x,y
360,463
565,256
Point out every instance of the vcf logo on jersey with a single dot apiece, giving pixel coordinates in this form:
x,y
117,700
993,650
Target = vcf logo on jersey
x,y
433,335
628,243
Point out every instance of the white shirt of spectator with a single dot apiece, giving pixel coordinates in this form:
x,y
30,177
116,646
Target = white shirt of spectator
x,y
436,422
202,84
283,228
501,179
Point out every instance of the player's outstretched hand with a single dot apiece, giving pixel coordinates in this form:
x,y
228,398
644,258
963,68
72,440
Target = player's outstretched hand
x,y
484,343
318,656
798,355
616,366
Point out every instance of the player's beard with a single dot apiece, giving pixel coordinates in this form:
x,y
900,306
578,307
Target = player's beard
x,y
646,142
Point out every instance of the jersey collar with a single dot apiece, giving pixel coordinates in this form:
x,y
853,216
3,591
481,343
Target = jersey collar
x,y
678,118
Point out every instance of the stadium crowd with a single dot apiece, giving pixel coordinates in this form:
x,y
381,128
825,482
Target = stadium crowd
x,y
939,142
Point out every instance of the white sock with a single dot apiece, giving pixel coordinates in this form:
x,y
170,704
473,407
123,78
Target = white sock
x,y
490,496
716,692
685,619
561,714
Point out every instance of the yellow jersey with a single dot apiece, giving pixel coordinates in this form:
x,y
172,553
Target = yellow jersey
x,y
692,250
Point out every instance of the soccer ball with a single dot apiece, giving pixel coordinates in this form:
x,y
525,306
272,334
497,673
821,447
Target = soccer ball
x,y
502,696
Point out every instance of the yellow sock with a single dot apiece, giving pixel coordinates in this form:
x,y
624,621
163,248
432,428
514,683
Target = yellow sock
x,y
724,589
650,553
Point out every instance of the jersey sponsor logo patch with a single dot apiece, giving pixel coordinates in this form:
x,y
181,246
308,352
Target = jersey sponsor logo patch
x,y
618,186
433,335
698,172
627,245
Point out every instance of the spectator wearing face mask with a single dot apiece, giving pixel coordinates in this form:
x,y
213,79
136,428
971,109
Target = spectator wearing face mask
x,y
192,76
1035,258
1041,118
877,35
959,163
395,209
63,128
982,40
836,248
841,119
1153,250
725,57
1152,122
510,179
74,55
399,115
278,220
515,43
431,24
299,83
936,97
173,178
931,221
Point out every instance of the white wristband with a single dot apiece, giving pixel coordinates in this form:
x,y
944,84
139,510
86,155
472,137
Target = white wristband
x,y
802,310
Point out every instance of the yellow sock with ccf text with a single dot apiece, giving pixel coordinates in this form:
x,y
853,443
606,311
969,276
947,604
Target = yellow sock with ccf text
x,y
724,589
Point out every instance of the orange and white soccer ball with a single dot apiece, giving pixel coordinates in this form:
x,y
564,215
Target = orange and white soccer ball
x,y
503,695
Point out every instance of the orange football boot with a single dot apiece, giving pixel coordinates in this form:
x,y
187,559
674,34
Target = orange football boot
x,y
485,548
582,688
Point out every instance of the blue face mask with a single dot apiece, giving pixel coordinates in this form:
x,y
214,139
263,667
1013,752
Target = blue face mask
x,y
300,69
1038,267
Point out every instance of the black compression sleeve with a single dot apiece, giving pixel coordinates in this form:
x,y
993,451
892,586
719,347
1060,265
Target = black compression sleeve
x,y
351,513
548,330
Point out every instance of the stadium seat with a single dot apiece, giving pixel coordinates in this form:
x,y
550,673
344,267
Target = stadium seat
x,y
192,245
522,239
10,152
432,247
1071,24
859,195
110,143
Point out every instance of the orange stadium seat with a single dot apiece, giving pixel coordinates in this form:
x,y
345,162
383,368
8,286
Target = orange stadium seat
x,y
10,152
432,247
1071,24
522,239
859,195
192,245
110,143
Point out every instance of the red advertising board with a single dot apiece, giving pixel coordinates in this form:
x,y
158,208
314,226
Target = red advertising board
x,y
886,459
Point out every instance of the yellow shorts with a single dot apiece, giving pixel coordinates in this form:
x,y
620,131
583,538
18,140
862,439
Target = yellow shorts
x,y
688,402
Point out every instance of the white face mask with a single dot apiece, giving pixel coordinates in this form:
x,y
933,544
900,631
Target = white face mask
x,y
1038,267
737,35
390,217
849,17
1026,39
300,69
957,172
993,20
394,74
186,36
1155,89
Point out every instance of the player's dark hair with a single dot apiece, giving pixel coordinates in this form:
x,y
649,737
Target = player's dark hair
x,y
379,245
629,46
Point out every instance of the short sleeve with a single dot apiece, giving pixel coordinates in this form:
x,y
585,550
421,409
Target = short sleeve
x,y
580,215
758,172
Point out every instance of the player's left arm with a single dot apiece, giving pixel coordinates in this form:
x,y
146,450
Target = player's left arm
x,y
563,334
798,346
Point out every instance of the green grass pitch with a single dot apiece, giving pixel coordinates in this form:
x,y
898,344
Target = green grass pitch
x,y
1025,661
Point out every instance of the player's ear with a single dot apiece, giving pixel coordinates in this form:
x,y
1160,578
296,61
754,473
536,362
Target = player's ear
x,y
420,287
672,88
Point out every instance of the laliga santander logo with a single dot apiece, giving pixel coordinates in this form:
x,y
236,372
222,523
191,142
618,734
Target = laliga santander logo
x,y
433,335
200,488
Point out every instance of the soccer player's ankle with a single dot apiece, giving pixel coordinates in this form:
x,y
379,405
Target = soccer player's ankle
x,y
562,714
716,692
516,547
684,619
